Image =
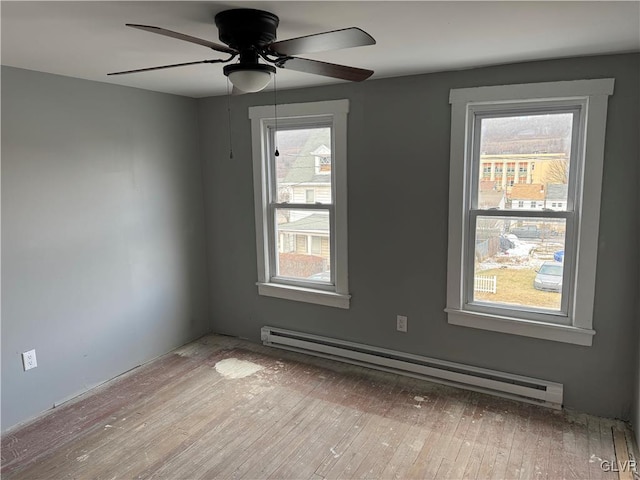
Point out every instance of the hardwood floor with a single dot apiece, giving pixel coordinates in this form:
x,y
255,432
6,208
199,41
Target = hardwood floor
x,y
224,408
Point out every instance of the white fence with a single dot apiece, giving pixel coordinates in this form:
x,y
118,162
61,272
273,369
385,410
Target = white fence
x,y
482,283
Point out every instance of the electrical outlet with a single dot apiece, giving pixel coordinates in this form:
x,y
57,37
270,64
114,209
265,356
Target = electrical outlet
x,y
29,360
401,324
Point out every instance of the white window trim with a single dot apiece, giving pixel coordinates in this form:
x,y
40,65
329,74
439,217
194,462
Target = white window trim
x,y
339,295
595,93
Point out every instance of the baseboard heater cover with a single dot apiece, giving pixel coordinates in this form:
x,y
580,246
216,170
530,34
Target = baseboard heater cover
x,y
493,382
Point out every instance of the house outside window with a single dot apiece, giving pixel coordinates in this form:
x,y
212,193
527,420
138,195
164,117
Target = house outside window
x,y
322,157
301,194
535,294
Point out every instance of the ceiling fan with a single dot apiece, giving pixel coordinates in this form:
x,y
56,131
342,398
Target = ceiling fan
x,y
250,35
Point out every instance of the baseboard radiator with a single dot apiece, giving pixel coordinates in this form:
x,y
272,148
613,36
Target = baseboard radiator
x,y
516,387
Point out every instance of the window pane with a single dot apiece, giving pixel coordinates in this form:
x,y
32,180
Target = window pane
x,y
304,165
524,162
303,246
519,261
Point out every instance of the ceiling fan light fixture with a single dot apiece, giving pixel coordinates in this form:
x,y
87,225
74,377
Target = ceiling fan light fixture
x,y
251,77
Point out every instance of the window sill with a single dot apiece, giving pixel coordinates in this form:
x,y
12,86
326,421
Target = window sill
x,y
527,328
301,294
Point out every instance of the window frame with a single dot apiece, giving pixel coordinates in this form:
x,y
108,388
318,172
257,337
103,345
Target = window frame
x,y
300,115
592,97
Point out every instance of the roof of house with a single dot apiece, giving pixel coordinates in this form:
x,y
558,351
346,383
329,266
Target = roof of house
x,y
487,185
322,151
316,222
490,199
557,191
527,191
303,170
303,167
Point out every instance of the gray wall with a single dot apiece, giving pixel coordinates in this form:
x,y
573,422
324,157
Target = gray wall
x,y
398,167
636,392
103,240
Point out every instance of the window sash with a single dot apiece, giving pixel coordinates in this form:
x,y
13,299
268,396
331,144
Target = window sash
x,y
562,316
273,206
273,245
302,123
476,113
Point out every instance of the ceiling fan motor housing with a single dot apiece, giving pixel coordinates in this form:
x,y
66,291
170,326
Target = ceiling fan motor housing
x,y
246,28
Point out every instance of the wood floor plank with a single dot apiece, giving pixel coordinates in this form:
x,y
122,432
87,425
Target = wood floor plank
x,y
273,443
621,452
427,405
64,427
533,444
403,413
106,431
345,442
290,462
243,423
434,449
520,443
597,455
558,453
576,452
184,416
374,426
510,413
470,454
324,443
333,425
494,433
541,451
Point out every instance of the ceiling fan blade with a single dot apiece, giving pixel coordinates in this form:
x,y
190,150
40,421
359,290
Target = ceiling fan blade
x,y
316,67
162,67
186,38
321,42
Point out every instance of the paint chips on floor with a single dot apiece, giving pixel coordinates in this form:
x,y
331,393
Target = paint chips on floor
x,y
234,368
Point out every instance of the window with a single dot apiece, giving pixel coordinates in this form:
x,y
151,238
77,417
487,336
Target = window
x,y
541,260
316,246
324,164
310,195
302,194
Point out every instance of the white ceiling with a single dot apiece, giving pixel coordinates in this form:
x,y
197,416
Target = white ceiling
x,y
89,39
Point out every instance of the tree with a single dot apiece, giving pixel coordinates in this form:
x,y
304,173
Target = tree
x,y
557,171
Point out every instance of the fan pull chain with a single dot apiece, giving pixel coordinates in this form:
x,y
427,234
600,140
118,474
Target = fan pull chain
x,y
275,109
229,120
